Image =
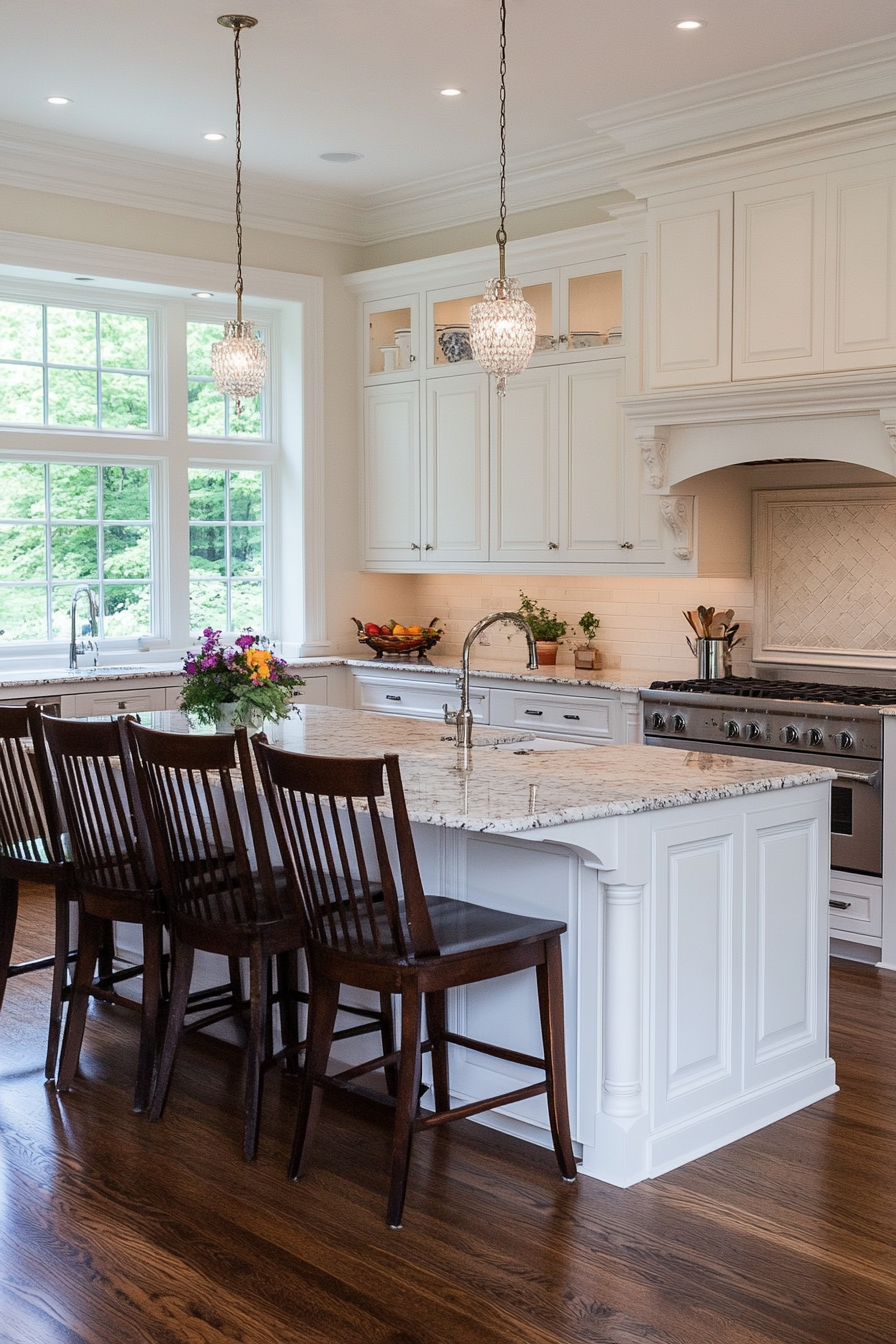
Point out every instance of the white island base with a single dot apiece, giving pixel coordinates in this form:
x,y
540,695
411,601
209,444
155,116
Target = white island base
x,y
695,972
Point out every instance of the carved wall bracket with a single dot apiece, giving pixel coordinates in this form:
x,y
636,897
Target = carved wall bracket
x,y
888,416
677,512
655,461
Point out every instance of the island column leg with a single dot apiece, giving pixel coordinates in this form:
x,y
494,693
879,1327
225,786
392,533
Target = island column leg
x,y
622,1034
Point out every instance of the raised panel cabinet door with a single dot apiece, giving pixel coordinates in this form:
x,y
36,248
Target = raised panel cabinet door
x,y
592,462
779,280
690,284
456,481
524,494
861,269
391,503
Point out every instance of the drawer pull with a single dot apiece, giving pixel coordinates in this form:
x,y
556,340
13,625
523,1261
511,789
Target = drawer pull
x,y
839,905
536,713
393,697
122,704
571,716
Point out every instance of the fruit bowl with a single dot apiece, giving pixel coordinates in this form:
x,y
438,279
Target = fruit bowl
x,y
395,646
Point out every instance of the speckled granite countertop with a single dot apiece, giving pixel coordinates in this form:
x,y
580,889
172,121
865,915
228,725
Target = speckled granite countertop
x,y
610,679
501,790
68,679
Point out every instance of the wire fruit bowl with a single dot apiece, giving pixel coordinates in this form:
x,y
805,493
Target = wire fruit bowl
x,y
398,645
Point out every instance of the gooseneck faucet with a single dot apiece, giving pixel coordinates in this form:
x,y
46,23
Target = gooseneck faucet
x,y
462,718
74,647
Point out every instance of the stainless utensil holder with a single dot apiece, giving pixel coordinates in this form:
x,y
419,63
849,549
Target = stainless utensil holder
x,y
713,659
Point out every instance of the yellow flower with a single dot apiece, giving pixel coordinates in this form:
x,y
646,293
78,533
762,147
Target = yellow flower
x,y
259,661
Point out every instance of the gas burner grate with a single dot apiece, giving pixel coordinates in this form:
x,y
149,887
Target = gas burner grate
x,y
754,688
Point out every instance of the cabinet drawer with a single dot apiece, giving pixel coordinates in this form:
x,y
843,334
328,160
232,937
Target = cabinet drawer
x,y
855,908
314,692
407,696
588,717
113,702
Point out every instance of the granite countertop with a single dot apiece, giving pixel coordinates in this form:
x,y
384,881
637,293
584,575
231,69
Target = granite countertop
x,y
610,679
85,676
502,790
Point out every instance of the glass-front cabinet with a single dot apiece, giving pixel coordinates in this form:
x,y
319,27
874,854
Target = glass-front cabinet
x,y
391,337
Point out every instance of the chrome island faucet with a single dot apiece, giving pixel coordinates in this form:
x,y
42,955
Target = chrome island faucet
x,y
74,647
462,717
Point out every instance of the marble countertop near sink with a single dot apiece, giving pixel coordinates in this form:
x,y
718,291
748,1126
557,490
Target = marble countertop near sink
x,y
66,677
610,679
503,791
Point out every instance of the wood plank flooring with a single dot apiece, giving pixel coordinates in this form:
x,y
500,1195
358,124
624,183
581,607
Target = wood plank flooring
x,y
115,1231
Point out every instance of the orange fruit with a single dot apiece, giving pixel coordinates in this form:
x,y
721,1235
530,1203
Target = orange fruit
x,y
399,630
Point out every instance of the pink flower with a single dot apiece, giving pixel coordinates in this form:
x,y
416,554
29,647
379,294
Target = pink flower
x,y
191,667
206,663
245,641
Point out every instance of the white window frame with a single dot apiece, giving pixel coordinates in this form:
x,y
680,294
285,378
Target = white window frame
x,y
267,471
293,453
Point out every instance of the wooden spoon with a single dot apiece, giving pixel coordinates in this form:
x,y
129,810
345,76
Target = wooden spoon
x,y
691,618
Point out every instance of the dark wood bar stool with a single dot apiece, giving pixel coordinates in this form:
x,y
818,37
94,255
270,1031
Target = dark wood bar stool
x,y
115,881
32,849
409,944
192,789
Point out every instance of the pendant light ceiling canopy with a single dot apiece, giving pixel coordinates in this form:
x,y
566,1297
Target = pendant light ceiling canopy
x,y
502,326
240,359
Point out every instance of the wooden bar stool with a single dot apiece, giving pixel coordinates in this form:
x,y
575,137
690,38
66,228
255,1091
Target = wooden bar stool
x,y
32,849
409,944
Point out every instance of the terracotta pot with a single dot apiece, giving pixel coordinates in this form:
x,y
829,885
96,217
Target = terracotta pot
x,y
547,651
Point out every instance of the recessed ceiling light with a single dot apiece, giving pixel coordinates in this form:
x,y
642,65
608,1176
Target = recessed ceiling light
x,y
203,294
57,100
341,156
451,93
213,135
688,25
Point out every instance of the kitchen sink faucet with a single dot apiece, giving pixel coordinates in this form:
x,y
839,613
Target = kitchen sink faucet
x,y
462,717
90,644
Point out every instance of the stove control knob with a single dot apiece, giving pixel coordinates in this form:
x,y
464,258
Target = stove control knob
x,y
845,740
816,737
658,722
752,731
678,723
790,734
731,728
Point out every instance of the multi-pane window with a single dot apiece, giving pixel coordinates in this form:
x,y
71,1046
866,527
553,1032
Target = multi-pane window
x,y
227,549
209,414
73,367
66,523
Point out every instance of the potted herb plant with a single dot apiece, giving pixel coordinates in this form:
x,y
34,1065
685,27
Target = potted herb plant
x,y
585,655
545,625
245,684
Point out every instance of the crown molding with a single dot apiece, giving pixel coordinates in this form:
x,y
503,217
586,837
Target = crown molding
x,y
99,171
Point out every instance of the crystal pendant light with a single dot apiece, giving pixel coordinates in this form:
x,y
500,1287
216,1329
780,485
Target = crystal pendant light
x,y
239,361
502,326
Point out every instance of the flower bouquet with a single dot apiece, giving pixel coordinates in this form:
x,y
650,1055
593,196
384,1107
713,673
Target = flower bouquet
x,y
242,685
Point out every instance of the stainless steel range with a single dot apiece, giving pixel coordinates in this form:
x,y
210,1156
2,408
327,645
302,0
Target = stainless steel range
x,y
808,723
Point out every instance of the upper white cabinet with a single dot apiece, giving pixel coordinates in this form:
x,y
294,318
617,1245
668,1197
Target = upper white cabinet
x,y
690,260
391,487
778,308
391,338
789,278
861,268
455,479
526,469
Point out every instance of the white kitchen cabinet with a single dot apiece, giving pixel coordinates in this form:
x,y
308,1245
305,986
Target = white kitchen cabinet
x,y
386,323
391,495
115,701
414,696
690,248
455,478
779,278
594,719
565,485
861,268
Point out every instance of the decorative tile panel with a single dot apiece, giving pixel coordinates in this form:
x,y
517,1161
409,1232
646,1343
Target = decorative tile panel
x,y
824,565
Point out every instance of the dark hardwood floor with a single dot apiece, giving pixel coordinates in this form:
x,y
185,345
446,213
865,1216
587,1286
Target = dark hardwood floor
x,y
113,1231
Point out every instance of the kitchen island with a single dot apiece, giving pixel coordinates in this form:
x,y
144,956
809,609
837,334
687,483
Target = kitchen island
x,y
694,887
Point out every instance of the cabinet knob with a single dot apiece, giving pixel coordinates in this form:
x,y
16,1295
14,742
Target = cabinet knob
x,y
553,546
626,545
414,546
428,547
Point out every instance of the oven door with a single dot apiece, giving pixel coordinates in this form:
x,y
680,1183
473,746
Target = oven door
x,y
856,809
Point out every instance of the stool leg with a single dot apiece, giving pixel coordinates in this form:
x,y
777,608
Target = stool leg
x,y
90,932
407,1102
550,1006
149,1013
256,1050
287,995
9,909
435,1030
321,1021
60,975
182,961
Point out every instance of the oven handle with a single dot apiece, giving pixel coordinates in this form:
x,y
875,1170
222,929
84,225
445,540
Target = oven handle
x,y
857,777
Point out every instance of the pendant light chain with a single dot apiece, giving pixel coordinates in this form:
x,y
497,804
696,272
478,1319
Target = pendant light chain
x,y
239,176
239,360
502,326
501,235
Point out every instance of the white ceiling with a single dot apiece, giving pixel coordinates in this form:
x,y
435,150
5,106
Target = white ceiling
x,y
364,76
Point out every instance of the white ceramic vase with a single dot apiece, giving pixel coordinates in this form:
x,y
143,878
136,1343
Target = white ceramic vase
x,y
232,714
